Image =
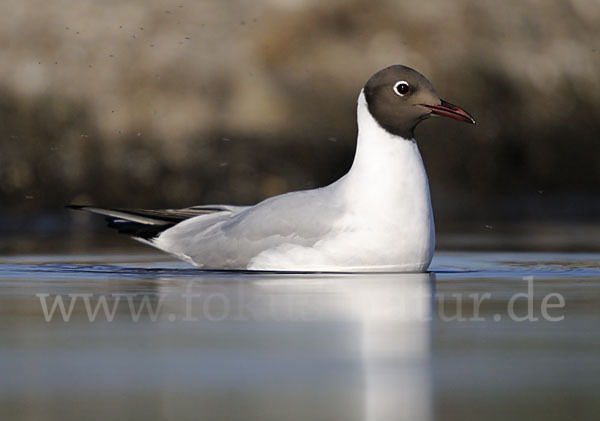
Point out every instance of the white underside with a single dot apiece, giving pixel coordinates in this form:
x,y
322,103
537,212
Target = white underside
x,y
376,218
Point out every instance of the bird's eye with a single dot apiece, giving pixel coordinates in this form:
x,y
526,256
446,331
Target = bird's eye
x,y
401,88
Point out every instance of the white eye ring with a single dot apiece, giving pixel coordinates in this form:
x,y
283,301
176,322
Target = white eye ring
x,y
401,88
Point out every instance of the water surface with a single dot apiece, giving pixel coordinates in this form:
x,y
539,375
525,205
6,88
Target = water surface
x,y
483,336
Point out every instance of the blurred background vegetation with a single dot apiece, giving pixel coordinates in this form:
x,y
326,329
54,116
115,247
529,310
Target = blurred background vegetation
x,y
153,103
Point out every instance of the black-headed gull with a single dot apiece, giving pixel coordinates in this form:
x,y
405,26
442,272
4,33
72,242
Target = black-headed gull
x,y
375,218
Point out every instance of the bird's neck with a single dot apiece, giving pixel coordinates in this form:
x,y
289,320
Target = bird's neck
x,y
386,164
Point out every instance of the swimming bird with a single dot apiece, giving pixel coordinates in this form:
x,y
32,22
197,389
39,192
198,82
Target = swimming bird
x,y
376,218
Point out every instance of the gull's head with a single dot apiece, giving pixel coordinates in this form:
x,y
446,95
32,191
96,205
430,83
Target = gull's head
x,y
399,98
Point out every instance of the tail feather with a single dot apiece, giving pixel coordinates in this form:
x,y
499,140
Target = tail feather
x,y
146,223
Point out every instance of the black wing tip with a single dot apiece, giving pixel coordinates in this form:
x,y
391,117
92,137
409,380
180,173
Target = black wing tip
x,y
142,223
135,229
77,207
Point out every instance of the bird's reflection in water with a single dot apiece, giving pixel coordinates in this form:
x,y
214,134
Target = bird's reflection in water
x,y
390,315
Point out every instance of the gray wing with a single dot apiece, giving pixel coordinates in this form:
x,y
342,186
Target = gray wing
x,y
232,239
